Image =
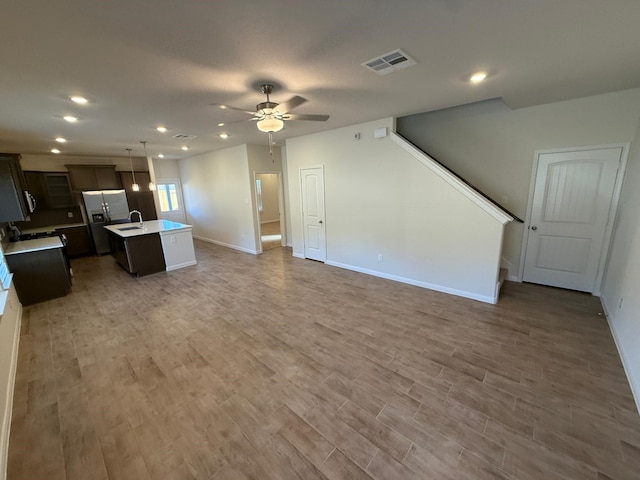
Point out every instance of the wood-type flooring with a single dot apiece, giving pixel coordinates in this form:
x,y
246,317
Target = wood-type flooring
x,y
271,236
270,367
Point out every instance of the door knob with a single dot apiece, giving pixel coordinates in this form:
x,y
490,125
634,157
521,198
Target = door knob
x,y
320,221
534,228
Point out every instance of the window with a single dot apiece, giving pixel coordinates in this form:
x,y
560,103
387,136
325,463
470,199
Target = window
x,y
168,195
4,273
259,193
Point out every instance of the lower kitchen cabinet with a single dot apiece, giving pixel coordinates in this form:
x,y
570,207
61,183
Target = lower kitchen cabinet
x,y
39,275
78,240
139,255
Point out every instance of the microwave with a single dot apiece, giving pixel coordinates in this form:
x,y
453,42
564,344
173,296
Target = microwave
x,y
30,200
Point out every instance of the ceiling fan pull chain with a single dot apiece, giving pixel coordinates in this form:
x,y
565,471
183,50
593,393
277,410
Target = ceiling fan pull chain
x,y
271,146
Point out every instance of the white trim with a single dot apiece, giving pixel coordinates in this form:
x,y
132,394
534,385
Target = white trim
x,y
409,281
613,208
634,382
304,247
5,427
182,265
298,255
228,245
497,213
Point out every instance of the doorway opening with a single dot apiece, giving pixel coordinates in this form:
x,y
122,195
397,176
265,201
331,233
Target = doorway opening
x,y
269,204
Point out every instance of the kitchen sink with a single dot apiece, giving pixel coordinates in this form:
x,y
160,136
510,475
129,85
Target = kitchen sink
x,y
124,229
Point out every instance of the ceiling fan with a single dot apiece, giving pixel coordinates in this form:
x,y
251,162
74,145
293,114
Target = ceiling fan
x,y
270,116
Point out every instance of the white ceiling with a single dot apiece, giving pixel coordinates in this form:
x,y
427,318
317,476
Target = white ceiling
x,y
146,63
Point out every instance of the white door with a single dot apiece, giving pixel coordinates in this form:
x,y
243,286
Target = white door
x,y
170,198
312,180
572,201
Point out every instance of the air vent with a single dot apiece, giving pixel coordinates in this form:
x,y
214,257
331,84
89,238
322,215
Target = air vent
x,y
389,62
184,136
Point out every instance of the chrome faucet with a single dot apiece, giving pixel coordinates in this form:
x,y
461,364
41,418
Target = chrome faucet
x,y
139,215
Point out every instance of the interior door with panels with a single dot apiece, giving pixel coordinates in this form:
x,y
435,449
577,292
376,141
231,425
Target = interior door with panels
x,y
572,208
312,189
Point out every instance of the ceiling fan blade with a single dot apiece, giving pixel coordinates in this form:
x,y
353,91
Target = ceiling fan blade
x,y
290,104
302,116
229,107
238,121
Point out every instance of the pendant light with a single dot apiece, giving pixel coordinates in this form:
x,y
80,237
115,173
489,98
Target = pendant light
x,y
134,186
152,186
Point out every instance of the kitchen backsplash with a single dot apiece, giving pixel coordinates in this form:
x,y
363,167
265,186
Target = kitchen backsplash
x,y
44,218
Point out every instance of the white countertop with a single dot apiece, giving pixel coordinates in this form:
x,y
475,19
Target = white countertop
x,y
26,246
51,228
149,227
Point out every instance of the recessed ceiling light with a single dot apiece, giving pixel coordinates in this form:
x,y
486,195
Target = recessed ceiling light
x,y
162,129
161,155
478,77
61,140
185,148
221,124
223,107
55,150
70,118
79,100
224,136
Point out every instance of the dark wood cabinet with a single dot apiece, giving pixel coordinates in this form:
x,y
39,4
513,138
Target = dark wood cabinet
x,y
94,177
143,199
39,275
138,255
13,207
142,178
51,190
58,187
78,240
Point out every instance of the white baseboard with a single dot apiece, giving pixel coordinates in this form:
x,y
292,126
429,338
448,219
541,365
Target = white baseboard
x,y
626,364
417,283
181,265
298,255
228,245
5,426
513,278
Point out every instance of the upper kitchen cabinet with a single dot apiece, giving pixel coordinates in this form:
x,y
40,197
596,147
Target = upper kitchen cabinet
x,y
94,177
142,178
13,206
141,200
51,190
58,186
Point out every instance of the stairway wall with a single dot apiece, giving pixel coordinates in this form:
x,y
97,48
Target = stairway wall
x,y
380,200
493,146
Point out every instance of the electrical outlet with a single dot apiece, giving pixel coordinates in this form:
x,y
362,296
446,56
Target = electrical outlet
x,y
620,304
70,214
379,257
173,239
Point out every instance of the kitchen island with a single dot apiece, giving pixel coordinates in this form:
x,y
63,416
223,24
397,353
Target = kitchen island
x,y
152,246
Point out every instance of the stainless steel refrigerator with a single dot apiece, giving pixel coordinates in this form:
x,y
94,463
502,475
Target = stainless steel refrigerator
x,y
104,207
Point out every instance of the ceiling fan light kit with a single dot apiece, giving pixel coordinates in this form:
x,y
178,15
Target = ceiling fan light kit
x,y
270,124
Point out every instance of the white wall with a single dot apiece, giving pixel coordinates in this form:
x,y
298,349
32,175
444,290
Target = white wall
x,y
287,210
493,146
10,319
622,281
56,163
381,200
270,209
218,197
166,168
